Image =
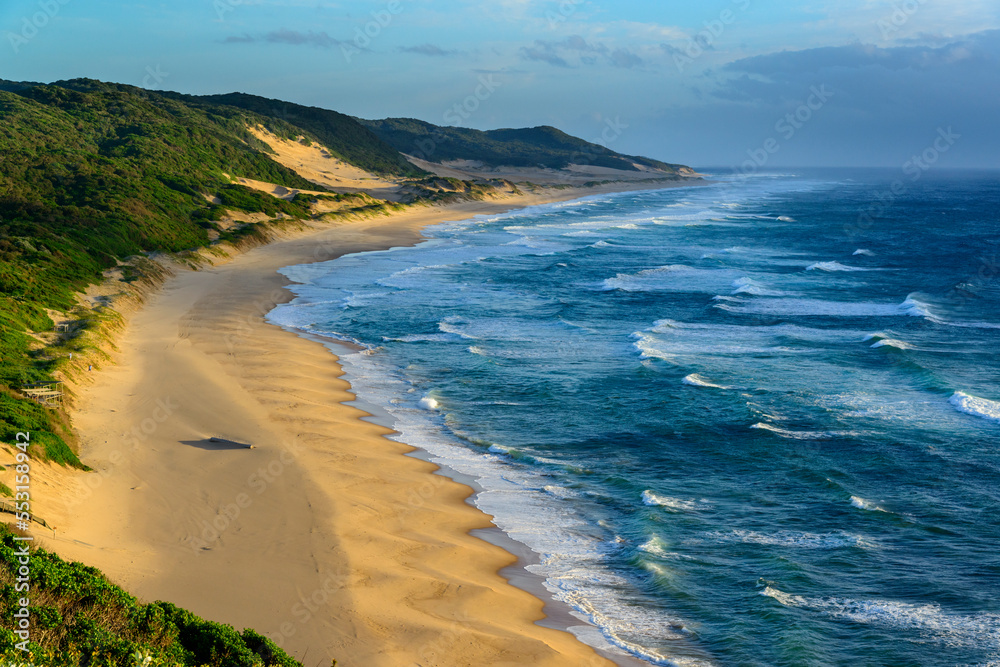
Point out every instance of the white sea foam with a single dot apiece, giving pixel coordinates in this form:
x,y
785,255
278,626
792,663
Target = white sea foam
x,y
750,286
784,598
968,325
978,407
419,338
664,325
865,252
798,435
560,491
928,620
660,278
917,308
786,218
800,540
656,500
892,342
646,346
862,504
455,325
601,244
789,307
833,266
429,403
410,277
655,546
649,347
696,380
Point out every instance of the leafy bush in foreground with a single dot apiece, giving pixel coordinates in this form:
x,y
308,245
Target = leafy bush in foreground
x,y
80,619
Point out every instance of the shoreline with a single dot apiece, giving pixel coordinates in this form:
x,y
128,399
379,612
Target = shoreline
x,y
317,528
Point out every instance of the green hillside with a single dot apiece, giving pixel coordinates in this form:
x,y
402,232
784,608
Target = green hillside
x,y
92,173
531,147
344,136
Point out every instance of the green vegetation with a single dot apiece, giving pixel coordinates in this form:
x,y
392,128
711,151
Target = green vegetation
x,y
346,138
92,174
441,190
532,147
80,619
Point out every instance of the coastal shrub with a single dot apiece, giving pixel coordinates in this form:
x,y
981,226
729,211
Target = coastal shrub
x,y
80,619
49,435
253,201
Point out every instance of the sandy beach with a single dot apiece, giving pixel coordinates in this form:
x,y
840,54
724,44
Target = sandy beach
x,y
323,536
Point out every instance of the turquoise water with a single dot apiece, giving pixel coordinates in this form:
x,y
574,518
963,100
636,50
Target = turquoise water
x,y
741,424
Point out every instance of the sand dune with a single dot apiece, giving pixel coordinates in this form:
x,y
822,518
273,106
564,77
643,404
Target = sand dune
x,y
316,163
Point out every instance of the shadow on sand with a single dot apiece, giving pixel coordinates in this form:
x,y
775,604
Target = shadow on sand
x,y
216,444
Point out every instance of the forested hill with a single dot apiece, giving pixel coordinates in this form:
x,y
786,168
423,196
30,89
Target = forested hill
x,y
343,135
543,146
92,173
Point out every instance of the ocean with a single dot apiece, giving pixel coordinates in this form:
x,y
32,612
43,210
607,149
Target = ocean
x,y
750,423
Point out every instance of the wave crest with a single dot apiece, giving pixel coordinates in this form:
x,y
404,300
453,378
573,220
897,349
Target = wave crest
x,y
862,504
833,266
975,406
695,380
928,619
651,499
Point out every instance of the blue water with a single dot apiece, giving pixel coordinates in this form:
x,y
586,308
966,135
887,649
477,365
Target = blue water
x,y
742,424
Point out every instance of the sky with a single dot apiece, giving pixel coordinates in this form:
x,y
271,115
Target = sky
x,y
747,84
